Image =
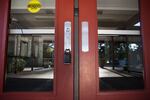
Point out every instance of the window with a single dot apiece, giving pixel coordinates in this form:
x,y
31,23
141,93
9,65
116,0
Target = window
x,y
119,45
30,57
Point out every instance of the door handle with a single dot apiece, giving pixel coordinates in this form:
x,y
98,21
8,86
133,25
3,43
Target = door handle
x,y
85,36
67,42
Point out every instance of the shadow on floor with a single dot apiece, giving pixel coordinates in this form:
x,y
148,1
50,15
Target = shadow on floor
x,y
28,84
121,83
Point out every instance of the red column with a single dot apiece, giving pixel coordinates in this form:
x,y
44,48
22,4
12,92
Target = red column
x,y
4,6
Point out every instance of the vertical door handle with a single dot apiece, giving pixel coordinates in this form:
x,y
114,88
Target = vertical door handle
x,y
85,36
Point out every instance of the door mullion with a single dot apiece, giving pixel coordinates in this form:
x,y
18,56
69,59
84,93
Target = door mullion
x,y
76,53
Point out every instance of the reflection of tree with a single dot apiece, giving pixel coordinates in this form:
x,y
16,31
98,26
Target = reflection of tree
x,y
121,54
101,48
48,52
17,64
51,52
121,51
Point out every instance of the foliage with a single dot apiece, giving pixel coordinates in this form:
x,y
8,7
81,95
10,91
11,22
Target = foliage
x,y
18,65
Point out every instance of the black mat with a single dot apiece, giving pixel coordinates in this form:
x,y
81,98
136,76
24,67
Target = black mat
x,y
28,84
121,83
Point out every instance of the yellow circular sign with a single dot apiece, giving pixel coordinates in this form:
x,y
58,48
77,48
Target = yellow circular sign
x,y
34,6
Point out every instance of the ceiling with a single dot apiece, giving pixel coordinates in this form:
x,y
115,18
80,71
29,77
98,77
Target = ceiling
x,y
117,14
112,14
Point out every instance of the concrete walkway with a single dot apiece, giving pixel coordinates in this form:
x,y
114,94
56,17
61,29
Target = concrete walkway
x,y
44,73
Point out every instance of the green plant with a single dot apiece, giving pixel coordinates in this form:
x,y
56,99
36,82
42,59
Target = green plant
x,y
18,65
51,63
122,55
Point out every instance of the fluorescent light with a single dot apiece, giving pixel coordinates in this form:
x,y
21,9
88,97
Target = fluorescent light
x,y
52,31
137,24
44,17
32,31
118,32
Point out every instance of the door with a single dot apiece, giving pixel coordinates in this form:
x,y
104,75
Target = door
x,y
113,61
109,52
32,49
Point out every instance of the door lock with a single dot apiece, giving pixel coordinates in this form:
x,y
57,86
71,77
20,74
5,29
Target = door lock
x,y
67,56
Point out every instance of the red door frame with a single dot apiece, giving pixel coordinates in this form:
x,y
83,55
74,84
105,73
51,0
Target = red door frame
x,y
63,89
88,63
63,81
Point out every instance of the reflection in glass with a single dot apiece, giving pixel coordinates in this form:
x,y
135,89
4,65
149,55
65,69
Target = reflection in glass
x,y
30,56
120,54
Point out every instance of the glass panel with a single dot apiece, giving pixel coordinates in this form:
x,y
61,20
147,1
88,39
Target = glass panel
x,y
119,45
30,57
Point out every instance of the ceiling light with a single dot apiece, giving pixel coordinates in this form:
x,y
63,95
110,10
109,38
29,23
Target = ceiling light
x,y
44,17
14,19
137,24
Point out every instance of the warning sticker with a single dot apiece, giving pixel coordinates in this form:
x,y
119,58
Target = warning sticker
x,y
34,6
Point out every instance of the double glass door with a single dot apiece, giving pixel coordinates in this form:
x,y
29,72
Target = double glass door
x,y
72,50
